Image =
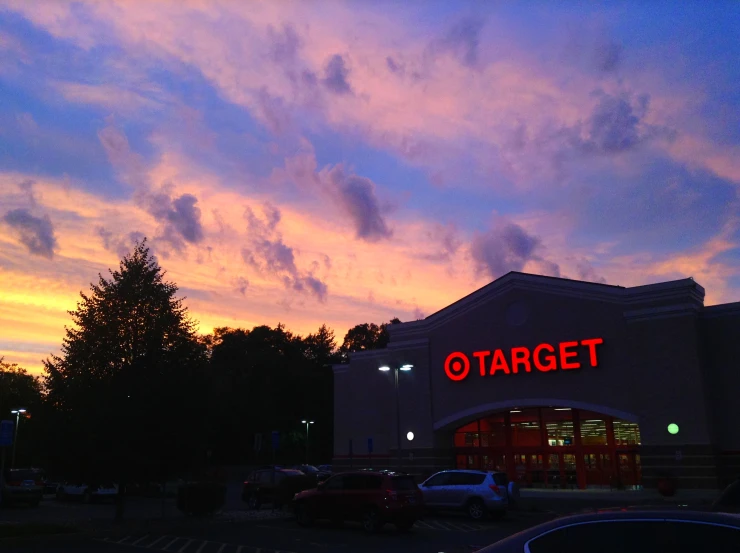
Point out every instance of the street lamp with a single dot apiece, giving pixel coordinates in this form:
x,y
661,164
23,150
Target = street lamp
x,y
307,422
17,413
404,368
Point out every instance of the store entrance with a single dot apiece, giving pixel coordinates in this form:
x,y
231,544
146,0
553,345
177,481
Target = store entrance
x,y
553,447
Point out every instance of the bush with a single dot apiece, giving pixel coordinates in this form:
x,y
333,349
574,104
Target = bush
x,y
201,498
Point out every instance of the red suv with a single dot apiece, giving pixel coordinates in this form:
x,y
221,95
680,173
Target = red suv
x,y
373,498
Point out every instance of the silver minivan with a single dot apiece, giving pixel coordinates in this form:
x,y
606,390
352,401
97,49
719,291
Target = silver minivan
x,y
475,492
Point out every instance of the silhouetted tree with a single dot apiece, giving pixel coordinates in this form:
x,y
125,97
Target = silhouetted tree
x,y
128,386
270,379
366,336
18,389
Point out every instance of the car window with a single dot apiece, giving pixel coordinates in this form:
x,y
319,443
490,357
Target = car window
x,y
20,474
730,498
439,479
264,476
335,483
362,482
636,536
403,483
466,479
500,479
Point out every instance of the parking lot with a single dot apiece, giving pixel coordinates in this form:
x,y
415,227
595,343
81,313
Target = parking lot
x,y
237,530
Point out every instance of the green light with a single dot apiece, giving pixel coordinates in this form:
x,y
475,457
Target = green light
x,y
673,428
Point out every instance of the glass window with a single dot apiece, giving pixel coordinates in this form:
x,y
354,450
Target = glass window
x,y
466,479
558,422
362,482
403,483
617,536
626,433
439,479
264,476
593,429
729,500
493,431
525,427
335,483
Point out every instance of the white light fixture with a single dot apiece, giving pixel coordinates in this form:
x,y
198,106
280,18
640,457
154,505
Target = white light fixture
x,y
16,411
310,422
384,368
410,436
406,367
562,408
515,411
304,422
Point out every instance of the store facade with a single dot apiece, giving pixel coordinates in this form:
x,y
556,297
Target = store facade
x,y
559,383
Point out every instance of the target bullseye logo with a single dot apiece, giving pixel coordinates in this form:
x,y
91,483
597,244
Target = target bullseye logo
x,y
457,366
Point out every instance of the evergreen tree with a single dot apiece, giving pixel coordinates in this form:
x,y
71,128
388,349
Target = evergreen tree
x,y
130,387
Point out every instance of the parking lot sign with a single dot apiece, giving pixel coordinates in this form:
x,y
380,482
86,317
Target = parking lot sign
x,y
6,433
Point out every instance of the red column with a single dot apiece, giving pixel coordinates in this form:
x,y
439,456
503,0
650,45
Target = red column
x,y
580,468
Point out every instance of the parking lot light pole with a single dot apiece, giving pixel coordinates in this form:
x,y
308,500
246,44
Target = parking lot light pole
x,y
307,422
17,413
405,368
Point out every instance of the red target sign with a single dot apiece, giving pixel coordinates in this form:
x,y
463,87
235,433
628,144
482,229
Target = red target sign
x,y
457,366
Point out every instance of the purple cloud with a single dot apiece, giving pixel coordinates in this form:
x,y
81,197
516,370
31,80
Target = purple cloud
x,y
507,247
26,187
356,196
36,233
335,75
284,44
462,40
268,254
608,56
614,125
587,272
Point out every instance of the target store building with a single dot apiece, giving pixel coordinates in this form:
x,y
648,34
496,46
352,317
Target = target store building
x,y
559,383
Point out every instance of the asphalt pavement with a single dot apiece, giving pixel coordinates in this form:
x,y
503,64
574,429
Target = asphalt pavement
x,y
268,532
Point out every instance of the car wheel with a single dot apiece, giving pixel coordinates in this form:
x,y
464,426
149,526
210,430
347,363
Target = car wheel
x,y
405,526
302,515
371,521
253,502
476,509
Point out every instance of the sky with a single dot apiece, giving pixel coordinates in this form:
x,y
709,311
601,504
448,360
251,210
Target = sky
x,y
348,162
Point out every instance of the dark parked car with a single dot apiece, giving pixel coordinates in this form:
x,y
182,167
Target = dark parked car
x,y
635,531
313,471
372,498
23,486
729,499
276,486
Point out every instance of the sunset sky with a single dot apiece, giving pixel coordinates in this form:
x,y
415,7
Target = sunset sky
x,y
346,162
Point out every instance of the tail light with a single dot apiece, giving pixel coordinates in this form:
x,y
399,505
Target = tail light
x,y
13,483
392,495
495,489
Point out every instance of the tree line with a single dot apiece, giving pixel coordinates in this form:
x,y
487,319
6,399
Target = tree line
x,y
136,394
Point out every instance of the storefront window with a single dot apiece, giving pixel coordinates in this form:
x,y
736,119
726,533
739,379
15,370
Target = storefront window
x,y
558,422
593,429
626,433
525,427
493,431
468,435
